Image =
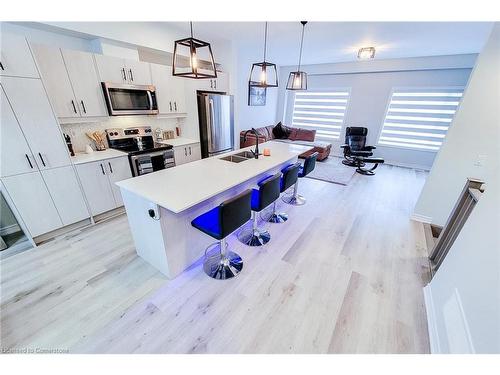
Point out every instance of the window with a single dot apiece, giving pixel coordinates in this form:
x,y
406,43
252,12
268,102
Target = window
x,y
419,118
322,111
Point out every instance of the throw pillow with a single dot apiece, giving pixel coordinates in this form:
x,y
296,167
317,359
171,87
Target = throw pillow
x,y
280,131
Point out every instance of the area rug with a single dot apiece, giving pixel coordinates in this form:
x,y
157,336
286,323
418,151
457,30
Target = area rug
x,y
332,170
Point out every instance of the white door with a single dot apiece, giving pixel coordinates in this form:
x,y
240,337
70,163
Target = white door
x,y
85,81
160,77
15,153
66,193
180,155
118,170
178,93
15,57
96,187
194,151
34,114
111,69
138,72
56,80
222,82
33,202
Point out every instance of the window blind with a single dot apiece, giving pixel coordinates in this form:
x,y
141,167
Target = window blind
x,y
322,111
419,118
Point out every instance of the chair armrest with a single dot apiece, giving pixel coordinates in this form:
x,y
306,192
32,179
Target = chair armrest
x,y
369,148
344,146
361,153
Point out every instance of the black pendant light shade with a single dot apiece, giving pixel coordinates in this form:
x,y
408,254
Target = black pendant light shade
x,y
298,80
193,58
264,74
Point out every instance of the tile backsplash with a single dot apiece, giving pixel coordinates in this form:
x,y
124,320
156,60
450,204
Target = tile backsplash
x,y
77,130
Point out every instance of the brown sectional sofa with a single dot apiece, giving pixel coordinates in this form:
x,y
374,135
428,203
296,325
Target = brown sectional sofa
x,y
297,135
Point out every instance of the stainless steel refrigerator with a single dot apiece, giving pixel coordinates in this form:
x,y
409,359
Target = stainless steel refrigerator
x,y
215,112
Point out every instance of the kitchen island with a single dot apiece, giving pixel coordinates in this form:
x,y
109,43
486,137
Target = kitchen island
x,y
160,206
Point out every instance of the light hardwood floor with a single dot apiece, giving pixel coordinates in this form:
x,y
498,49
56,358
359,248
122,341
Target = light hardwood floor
x,y
343,275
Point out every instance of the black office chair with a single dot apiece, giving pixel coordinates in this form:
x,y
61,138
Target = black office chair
x,y
357,153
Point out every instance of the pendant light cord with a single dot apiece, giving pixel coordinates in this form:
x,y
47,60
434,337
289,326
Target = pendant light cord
x,y
265,42
301,43
191,25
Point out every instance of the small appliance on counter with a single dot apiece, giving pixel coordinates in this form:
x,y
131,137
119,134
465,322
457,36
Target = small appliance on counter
x,y
168,134
158,134
67,138
144,155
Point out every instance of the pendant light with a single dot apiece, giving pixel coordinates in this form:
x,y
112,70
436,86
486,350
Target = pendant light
x,y
193,58
264,74
298,80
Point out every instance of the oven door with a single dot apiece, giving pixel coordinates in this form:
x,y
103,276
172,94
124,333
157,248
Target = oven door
x,y
152,162
122,99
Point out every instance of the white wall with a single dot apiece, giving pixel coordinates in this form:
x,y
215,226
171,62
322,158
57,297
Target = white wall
x,y
371,83
252,116
471,269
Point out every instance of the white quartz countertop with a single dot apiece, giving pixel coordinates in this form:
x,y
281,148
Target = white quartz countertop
x,y
178,141
184,186
81,158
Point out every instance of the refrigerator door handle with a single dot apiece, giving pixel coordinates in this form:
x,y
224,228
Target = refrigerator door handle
x,y
211,117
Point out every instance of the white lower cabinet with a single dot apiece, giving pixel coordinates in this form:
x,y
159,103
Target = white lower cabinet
x,y
187,153
98,180
66,194
33,202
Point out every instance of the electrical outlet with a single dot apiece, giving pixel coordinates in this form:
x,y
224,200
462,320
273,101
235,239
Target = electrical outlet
x,y
154,211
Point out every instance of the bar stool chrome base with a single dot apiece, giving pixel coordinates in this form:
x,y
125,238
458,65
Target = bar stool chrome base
x,y
223,265
297,200
275,217
254,237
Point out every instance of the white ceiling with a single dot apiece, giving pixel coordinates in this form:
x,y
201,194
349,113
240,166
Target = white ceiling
x,y
326,42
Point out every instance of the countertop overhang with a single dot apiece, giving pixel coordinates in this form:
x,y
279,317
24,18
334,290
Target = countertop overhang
x,y
184,186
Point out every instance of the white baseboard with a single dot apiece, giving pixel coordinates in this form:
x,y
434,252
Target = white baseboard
x,y
421,218
431,320
10,229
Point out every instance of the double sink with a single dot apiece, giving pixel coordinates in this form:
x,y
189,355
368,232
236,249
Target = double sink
x,y
239,157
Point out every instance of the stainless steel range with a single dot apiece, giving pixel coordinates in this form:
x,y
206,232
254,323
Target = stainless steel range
x,y
144,155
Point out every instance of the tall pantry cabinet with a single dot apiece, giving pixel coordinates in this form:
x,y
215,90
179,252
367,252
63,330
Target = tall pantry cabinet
x,y
36,171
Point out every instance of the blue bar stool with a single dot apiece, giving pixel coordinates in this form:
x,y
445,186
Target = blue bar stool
x,y
219,223
289,178
296,199
268,192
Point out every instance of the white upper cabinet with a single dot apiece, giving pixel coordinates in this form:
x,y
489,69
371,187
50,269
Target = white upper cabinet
x,y
33,202
111,69
56,80
34,114
138,72
170,91
15,153
15,57
117,70
85,81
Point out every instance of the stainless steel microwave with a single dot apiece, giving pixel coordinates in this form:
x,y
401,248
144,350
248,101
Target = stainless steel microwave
x,y
123,99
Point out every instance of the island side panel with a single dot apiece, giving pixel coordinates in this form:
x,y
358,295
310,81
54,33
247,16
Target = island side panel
x,y
147,232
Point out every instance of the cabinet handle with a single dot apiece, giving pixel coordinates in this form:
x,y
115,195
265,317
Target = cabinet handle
x,y
189,150
1,66
74,106
175,106
110,167
124,74
215,84
185,151
102,169
29,161
41,158
131,75
83,106
170,106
